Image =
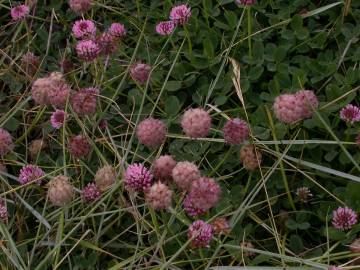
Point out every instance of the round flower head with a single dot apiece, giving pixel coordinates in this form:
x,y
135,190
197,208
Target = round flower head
x,y
57,119
235,131
30,63
245,2
117,30
87,50
107,43
40,89
83,101
137,177
249,158
80,6
19,12
355,246
91,192
60,191
180,14
151,132
158,196
30,173
350,114
309,102
205,193
4,216
140,72
79,146
35,147
196,123
59,93
344,218
201,234
105,177
162,167
288,108
221,226
165,28
184,173
190,208
6,143
304,194
84,29
245,252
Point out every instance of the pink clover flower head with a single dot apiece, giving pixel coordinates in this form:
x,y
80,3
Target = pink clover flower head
x,y
57,119
84,101
309,102
180,14
87,50
117,30
235,131
91,192
151,132
205,193
84,29
138,177
6,143
245,2
158,196
165,28
140,72
190,209
19,12
344,218
162,167
80,6
30,173
79,146
201,234
107,43
350,113
196,123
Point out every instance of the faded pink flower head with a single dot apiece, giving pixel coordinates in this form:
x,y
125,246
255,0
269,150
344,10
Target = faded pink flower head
x,y
196,123
58,94
205,193
151,132
180,14
158,196
191,209
79,146
201,234
107,43
117,30
235,131
84,29
344,218
30,173
165,28
30,63
288,108
91,192
140,72
184,173
84,101
87,50
4,216
162,167
80,6
245,2
304,194
309,102
19,12
57,119
138,177
221,226
6,143
350,114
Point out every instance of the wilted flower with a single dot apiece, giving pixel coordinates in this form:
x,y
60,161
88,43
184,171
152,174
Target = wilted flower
x,y
184,173
137,177
83,29
163,166
180,14
79,146
344,218
355,246
221,226
140,72
60,190
250,157
6,143
30,63
36,146
87,50
201,234
84,101
57,119
80,6
158,196
165,28
105,177
19,12
235,131
30,173
350,114
91,192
